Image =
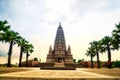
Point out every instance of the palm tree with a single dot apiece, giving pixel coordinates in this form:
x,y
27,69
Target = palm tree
x,y
21,42
96,46
116,37
27,55
11,37
3,29
4,26
28,49
90,52
107,45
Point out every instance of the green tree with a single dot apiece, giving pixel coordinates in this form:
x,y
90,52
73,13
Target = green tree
x,y
35,59
107,45
10,37
80,60
25,47
91,52
7,35
116,37
116,64
96,46
74,60
4,27
28,49
22,43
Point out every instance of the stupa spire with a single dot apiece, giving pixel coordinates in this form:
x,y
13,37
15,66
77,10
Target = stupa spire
x,y
50,50
60,39
69,49
59,24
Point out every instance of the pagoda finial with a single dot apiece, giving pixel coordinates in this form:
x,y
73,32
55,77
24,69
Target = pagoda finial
x,y
59,24
69,49
50,49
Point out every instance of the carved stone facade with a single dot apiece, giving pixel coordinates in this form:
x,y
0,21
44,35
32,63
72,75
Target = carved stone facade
x,y
59,54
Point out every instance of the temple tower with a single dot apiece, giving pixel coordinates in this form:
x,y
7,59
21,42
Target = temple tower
x,y
59,54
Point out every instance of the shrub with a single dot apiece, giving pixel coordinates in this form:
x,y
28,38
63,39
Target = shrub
x,y
74,60
35,59
116,64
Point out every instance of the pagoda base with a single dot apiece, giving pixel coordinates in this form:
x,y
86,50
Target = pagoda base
x,y
58,68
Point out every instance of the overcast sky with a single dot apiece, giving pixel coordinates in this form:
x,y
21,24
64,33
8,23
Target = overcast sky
x,y
82,20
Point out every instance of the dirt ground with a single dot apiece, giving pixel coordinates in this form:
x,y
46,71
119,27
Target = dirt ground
x,y
12,69
105,71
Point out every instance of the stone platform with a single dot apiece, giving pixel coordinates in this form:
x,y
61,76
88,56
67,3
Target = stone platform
x,y
58,68
59,65
36,74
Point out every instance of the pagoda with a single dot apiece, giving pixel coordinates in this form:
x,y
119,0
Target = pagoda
x,y
59,54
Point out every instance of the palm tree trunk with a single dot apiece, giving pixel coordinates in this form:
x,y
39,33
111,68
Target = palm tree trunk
x,y
27,59
109,57
20,59
92,65
98,62
9,54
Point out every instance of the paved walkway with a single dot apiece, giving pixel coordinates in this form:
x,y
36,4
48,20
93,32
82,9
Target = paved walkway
x,y
50,74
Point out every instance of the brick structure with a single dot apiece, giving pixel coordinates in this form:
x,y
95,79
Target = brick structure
x,y
31,63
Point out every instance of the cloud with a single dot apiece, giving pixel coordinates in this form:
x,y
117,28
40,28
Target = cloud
x,y
3,49
83,6
82,20
59,10
2,54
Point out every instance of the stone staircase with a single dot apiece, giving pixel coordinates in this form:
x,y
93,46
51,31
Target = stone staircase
x,y
59,65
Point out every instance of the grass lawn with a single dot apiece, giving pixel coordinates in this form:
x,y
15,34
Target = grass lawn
x,y
12,69
111,72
